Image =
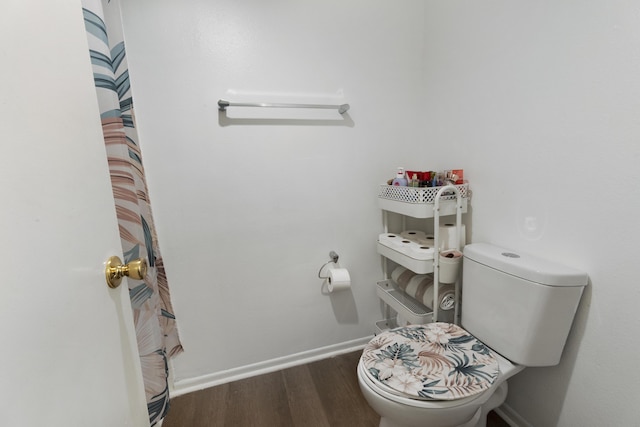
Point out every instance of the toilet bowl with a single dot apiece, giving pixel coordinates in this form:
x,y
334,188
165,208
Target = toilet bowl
x,y
516,312
398,409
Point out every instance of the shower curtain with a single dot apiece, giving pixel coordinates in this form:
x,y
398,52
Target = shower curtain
x,y
154,322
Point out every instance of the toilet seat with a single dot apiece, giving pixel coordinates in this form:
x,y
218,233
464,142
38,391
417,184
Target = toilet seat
x,y
431,362
377,387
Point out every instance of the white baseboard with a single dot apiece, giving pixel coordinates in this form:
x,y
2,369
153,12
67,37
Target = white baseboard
x,y
512,418
189,385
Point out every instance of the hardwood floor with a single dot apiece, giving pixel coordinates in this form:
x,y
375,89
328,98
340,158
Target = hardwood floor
x,y
320,394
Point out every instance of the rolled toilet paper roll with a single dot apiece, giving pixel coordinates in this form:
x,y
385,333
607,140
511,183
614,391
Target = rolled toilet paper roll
x,y
401,276
445,292
447,236
339,279
427,241
413,235
421,252
450,262
401,321
389,238
397,272
418,285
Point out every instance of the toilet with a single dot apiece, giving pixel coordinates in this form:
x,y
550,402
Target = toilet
x,y
516,312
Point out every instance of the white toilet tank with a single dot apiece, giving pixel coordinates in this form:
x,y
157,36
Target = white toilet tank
x,y
519,305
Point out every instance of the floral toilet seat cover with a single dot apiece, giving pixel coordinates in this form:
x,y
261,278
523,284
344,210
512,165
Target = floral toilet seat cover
x,y
436,361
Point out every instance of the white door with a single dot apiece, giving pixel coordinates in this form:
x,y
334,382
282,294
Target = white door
x,y
67,345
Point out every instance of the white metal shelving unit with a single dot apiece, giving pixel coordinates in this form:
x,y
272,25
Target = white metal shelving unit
x,y
423,203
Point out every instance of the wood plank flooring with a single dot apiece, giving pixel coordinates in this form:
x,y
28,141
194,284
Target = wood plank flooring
x,y
320,394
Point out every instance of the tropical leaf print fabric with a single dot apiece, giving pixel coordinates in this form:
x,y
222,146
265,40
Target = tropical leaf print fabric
x,y
436,361
154,322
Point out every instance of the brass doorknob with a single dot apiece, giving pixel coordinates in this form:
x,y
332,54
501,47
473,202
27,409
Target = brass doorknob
x,y
115,270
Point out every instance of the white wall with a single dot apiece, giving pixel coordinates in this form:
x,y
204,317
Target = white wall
x,y
247,213
537,101
542,101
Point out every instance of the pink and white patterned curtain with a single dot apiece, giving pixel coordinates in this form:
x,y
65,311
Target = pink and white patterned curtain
x,y
154,322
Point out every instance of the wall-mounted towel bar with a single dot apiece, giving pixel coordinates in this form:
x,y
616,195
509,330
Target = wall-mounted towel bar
x,y
222,105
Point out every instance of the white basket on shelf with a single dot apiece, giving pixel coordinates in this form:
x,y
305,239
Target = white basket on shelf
x,y
419,202
418,194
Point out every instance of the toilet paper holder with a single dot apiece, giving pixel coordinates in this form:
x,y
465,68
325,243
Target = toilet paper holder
x,y
334,259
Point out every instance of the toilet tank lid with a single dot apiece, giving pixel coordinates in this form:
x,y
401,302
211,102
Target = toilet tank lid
x,y
525,266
